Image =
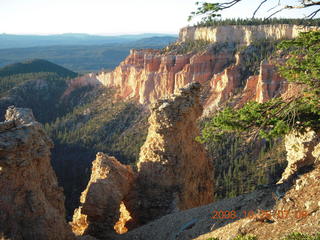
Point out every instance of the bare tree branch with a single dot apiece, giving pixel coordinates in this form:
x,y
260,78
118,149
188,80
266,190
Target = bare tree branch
x,y
217,7
279,3
276,12
229,4
273,8
304,4
254,13
313,14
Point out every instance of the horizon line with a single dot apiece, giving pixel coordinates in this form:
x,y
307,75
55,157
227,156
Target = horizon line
x,y
89,34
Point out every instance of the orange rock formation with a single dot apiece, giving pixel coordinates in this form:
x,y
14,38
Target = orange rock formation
x,y
265,86
110,182
174,172
147,75
31,203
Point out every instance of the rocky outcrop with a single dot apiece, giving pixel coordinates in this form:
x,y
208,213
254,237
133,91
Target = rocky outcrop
x,y
191,223
303,149
260,88
31,202
242,34
265,86
222,86
269,84
147,75
99,212
174,172
121,226
82,81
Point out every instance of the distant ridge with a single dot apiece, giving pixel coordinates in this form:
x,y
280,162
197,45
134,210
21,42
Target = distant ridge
x,y
35,66
67,39
82,58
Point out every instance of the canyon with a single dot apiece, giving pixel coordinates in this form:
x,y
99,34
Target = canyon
x,y
39,211
169,192
147,75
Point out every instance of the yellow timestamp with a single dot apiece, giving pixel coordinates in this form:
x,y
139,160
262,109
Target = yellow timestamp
x,y
260,213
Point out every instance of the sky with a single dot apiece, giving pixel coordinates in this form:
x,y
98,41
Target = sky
x,y
112,17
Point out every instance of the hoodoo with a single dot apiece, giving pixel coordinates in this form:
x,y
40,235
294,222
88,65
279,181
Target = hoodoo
x,y
110,182
31,203
174,172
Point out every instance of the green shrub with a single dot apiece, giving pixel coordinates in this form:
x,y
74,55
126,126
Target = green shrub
x,y
246,237
301,236
186,47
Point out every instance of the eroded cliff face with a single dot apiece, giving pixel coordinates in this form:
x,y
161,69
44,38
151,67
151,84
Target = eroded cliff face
x,y
174,172
147,75
242,34
264,86
78,82
31,202
99,211
260,88
222,86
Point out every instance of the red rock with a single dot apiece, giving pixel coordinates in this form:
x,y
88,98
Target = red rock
x,y
146,75
261,88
